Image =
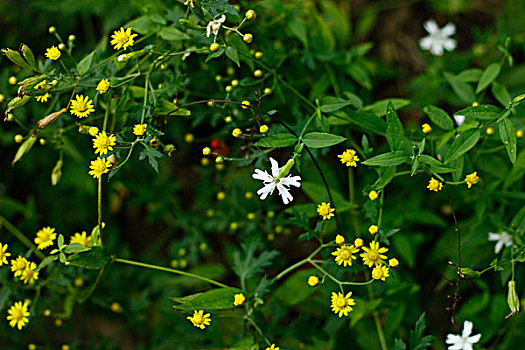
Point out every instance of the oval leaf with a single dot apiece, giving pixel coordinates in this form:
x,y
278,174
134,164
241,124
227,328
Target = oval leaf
x,y
488,76
94,259
462,89
507,133
462,144
84,65
439,117
331,104
388,159
482,112
321,139
276,141
215,299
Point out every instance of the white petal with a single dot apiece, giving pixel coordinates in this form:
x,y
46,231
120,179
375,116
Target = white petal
x,y
431,26
291,181
448,30
437,49
494,236
466,346
474,338
467,328
262,175
449,44
266,190
453,339
275,168
285,194
208,29
223,18
498,247
426,43
460,119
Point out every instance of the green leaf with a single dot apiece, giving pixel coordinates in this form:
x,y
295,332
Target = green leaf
x,y
501,94
417,341
435,165
439,117
84,65
215,299
23,149
395,134
462,144
507,133
76,248
47,260
386,174
481,112
367,121
172,34
16,58
249,264
293,290
152,155
388,159
94,259
488,76
277,141
462,89
379,107
164,106
233,55
298,29
471,75
28,55
321,139
331,104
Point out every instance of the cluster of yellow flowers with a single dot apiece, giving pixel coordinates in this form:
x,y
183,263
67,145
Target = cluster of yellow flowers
x,y
200,320
436,185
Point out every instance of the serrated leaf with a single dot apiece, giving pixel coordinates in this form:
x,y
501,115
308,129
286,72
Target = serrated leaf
x,y
321,139
94,259
462,89
439,117
481,112
249,265
462,144
488,76
84,65
417,341
277,141
379,107
215,299
388,159
152,155
507,134
331,104
23,149
233,55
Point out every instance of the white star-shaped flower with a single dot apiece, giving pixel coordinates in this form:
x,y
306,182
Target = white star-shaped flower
x,y
214,26
465,341
460,119
438,40
271,182
502,239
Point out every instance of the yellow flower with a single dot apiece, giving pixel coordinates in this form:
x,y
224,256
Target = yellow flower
x,y
81,239
236,132
93,131
18,315
380,272
238,299
434,185
199,319
313,281
374,254
349,157
103,86
373,229
472,179
18,265
272,347
53,53
325,211
244,103
263,129
426,128
42,98
99,166
373,195
139,129
393,262
341,304
29,274
122,38
345,254
339,240
44,237
81,106
358,243
103,143
3,254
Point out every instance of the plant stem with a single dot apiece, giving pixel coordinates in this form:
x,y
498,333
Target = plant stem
x,y
99,209
351,194
21,237
165,269
377,321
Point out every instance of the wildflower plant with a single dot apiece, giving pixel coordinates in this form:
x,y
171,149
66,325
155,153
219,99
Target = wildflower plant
x,y
147,199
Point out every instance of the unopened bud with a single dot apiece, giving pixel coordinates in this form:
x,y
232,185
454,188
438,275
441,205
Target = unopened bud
x,y
468,273
286,168
512,298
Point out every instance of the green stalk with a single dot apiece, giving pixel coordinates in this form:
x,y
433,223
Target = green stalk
x,y
21,237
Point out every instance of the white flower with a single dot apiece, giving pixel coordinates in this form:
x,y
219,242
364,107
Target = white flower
x,y
271,182
503,239
460,119
189,2
465,341
438,38
214,26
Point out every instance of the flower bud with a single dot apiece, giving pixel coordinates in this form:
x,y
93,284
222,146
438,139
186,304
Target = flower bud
x,y
339,240
468,273
286,168
512,298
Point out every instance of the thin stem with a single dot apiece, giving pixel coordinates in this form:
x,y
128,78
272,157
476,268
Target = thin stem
x,y
165,269
300,263
380,216
92,288
258,329
99,209
377,321
21,237
351,195
456,293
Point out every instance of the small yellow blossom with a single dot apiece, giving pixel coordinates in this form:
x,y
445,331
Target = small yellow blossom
x,y
18,265
272,347
199,319
358,243
349,158
263,129
490,131
53,53
58,322
103,86
29,274
393,262
206,151
342,304
313,281
116,307
98,167
345,254
244,103
12,80
18,315
380,272
238,299
472,179
189,138
122,38
221,196
103,143
339,240
434,185
234,226
139,129
78,282
325,211
519,133
93,131
81,239
374,254
81,106
41,98
236,132
426,128
4,254
373,229
373,195
44,237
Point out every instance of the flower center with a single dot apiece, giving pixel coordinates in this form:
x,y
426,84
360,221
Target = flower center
x,y
345,254
372,256
197,318
17,314
81,106
341,302
122,38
